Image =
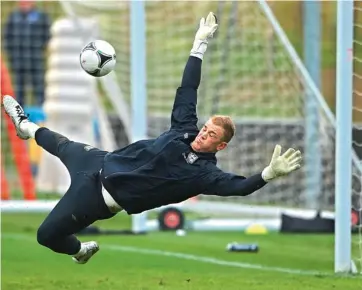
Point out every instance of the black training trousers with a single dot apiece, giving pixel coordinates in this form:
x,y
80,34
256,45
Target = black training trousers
x,y
83,203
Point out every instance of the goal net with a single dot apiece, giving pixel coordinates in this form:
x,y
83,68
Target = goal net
x,y
250,72
357,132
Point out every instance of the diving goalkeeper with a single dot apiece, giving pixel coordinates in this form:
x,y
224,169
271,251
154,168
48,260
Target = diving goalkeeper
x,y
179,164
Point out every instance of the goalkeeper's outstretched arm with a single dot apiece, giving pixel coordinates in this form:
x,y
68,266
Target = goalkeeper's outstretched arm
x,y
184,108
220,183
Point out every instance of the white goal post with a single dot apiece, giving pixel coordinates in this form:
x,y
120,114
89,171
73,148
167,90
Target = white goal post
x,y
348,165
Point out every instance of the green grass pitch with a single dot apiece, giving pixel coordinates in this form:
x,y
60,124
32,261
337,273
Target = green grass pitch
x,y
165,261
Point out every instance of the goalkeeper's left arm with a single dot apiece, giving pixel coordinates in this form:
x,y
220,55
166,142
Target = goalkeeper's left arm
x,y
220,183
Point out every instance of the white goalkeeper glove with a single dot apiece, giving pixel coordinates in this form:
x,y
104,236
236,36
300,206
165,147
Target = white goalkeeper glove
x,y
206,30
282,165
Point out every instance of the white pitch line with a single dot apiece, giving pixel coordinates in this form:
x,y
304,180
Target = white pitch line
x,y
202,259
209,260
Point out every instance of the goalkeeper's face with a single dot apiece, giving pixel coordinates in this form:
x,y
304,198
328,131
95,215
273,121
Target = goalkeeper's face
x,y
209,139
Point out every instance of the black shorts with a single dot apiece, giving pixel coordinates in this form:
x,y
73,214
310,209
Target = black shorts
x,y
83,202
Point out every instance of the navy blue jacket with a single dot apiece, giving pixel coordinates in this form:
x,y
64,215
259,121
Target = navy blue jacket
x,y
156,172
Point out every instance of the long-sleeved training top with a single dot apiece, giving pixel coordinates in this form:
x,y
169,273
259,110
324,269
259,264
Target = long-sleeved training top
x,y
165,170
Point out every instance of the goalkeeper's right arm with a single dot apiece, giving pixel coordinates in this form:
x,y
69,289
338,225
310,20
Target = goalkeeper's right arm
x,y
206,31
184,108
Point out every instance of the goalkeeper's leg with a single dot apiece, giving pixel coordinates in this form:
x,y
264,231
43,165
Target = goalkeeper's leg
x,y
69,152
81,206
83,203
76,156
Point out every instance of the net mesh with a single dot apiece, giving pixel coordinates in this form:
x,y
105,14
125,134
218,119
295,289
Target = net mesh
x,y
22,74
247,74
357,130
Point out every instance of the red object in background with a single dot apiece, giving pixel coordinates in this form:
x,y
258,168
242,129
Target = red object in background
x,y
18,146
355,218
4,186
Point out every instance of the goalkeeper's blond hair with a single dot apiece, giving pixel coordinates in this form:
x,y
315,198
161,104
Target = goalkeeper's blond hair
x,y
227,124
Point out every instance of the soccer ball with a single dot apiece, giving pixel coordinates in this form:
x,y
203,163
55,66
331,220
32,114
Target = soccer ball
x,y
98,58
